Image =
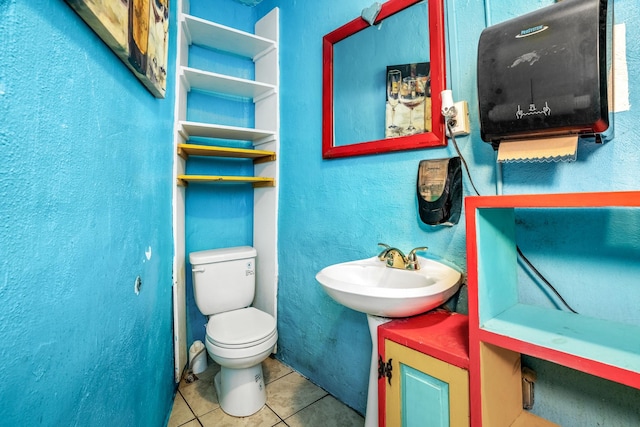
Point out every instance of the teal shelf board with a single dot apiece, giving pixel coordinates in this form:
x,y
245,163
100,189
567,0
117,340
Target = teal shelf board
x,y
610,343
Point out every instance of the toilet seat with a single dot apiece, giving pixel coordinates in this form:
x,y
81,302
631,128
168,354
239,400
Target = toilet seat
x,y
238,329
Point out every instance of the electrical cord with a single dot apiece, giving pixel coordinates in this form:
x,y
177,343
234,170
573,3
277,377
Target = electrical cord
x,y
535,270
464,162
450,123
189,376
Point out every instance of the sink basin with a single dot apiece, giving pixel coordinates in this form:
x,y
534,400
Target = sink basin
x,y
369,286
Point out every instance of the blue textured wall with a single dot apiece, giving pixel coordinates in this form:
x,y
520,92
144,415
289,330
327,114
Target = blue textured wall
x,y
85,184
337,210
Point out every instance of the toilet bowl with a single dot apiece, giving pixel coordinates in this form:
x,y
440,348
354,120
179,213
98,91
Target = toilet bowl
x,y
239,341
238,337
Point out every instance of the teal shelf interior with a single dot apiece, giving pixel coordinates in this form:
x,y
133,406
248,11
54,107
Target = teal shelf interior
x,y
604,341
502,313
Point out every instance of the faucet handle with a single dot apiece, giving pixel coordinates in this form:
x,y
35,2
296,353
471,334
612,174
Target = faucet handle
x,y
418,249
382,255
412,258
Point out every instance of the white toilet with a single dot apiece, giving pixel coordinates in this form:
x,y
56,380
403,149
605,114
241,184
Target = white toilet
x,y
239,337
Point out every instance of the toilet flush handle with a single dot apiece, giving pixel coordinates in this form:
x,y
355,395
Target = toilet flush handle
x,y
197,270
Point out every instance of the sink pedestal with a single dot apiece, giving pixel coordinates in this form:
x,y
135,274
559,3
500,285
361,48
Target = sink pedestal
x,y
371,417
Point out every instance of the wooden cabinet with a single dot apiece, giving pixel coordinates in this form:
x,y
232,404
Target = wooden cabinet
x,y
502,327
424,367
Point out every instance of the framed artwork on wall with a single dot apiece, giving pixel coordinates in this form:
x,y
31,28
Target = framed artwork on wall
x,y
136,31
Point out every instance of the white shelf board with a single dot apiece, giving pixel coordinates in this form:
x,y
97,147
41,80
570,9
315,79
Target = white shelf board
x,y
219,83
206,130
209,34
611,343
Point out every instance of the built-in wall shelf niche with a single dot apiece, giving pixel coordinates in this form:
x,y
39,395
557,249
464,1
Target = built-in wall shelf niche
x,y
501,326
196,138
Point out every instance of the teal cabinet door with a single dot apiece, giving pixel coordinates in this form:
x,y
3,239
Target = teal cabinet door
x,y
425,399
424,391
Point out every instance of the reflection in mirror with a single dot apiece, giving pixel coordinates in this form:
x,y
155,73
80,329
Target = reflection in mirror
x,y
382,83
360,65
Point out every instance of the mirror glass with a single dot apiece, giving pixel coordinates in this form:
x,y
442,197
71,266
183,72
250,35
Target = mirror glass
x,y
360,76
379,80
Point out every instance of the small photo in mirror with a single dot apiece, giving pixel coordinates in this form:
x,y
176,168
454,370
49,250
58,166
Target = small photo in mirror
x,y
408,100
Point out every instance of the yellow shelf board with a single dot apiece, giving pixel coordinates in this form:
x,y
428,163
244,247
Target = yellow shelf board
x,y
258,156
257,181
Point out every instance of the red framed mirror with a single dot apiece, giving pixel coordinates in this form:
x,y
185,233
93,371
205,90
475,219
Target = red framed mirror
x,y
357,58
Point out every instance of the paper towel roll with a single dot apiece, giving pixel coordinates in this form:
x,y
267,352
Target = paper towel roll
x,y
559,149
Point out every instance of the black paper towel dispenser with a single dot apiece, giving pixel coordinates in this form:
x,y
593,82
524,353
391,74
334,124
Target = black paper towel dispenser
x,y
545,73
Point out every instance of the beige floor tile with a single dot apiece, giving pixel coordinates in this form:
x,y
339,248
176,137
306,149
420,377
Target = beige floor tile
x,y
201,396
327,412
272,369
180,413
289,394
263,418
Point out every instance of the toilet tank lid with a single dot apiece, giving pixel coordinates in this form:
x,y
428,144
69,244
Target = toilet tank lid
x,y
221,255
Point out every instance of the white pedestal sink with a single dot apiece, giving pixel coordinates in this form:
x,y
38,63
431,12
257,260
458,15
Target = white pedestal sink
x,y
369,286
371,417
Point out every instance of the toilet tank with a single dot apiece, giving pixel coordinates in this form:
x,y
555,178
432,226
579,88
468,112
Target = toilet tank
x,y
223,279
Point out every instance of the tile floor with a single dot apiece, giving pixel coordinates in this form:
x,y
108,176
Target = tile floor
x,y
292,401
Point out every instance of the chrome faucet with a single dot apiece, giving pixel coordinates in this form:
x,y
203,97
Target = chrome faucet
x,y
394,257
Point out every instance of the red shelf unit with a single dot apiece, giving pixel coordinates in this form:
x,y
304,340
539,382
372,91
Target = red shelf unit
x,y
501,327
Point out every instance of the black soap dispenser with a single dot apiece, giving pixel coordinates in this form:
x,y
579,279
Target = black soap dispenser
x,y
439,191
